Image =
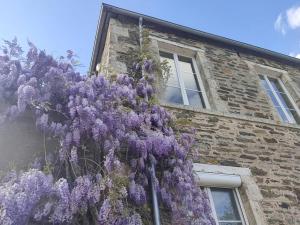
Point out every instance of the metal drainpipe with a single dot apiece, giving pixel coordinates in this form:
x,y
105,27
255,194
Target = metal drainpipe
x,y
141,33
152,170
154,196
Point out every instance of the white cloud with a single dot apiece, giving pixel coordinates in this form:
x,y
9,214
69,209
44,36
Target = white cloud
x,y
293,17
280,24
290,19
296,55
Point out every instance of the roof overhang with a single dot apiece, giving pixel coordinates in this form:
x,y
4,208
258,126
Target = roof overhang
x,y
107,10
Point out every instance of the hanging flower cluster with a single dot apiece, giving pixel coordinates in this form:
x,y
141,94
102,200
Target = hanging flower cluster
x,y
108,135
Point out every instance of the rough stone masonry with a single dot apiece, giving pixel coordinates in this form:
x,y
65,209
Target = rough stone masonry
x,y
241,128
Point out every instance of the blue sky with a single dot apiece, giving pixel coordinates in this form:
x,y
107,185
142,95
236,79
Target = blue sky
x,y
59,25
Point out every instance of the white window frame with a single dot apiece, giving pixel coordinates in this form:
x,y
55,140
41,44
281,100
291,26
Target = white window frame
x,y
234,178
237,199
181,81
192,53
280,75
290,119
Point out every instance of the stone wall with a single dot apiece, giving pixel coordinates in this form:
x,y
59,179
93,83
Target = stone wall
x,y
236,82
242,128
270,151
122,36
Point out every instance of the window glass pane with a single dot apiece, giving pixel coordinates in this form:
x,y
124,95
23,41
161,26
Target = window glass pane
x,y
290,114
295,115
278,93
187,73
188,85
282,96
164,56
225,204
172,95
273,98
172,78
281,114
185,64
285,101
275,85
190,81
195,98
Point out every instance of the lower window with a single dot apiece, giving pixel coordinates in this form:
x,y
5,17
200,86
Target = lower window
x,y
226,206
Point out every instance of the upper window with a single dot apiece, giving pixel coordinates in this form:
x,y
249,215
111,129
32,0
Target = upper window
x,y
281,100
226,206
183,85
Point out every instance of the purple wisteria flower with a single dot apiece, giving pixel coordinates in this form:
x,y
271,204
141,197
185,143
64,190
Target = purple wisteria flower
x,y
137,193
104,133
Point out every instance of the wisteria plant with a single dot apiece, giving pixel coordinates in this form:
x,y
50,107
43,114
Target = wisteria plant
x,y
108,132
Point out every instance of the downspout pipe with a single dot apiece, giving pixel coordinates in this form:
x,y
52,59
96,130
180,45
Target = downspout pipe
x,y
154,196
152,168
141,33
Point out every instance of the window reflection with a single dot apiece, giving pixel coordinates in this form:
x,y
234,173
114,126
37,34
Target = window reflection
x,y
225,204
282,114
172,95
182,86
190,81
185,64
168,57
273,98
195,98
280,100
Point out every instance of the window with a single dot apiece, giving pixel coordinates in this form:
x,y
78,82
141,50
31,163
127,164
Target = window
x,y
281,99
183,85
221,184
226,206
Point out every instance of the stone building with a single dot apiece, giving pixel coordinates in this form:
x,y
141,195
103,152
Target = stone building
x,y
243,102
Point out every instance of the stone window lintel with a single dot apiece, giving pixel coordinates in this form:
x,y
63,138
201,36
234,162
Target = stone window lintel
x,y
249,191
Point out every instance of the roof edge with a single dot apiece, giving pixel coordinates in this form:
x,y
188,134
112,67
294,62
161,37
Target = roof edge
x,y
106,8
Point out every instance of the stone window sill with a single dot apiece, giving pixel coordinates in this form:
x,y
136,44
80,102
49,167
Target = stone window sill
x,y
230,115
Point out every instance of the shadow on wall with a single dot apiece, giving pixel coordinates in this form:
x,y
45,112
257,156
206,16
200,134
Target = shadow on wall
x,y
20,143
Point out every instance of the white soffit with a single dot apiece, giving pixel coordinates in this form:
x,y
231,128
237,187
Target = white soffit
x,y
220,176
219,180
